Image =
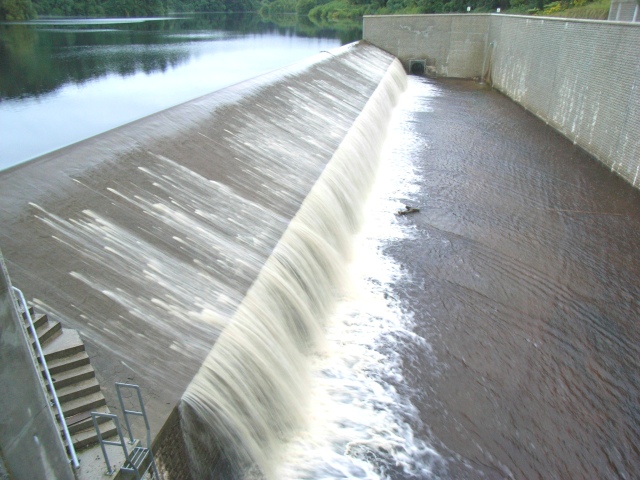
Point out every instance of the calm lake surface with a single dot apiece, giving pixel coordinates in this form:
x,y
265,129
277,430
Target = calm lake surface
x,y
64,80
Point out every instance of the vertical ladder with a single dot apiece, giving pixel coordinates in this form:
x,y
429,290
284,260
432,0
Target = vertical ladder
x,y
140,460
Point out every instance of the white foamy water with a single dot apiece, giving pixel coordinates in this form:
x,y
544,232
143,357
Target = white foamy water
x,y
251,393
358,424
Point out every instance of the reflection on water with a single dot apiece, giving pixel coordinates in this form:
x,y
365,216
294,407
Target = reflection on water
x,y
64,80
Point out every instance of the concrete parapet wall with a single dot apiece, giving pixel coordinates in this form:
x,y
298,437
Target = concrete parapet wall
x,y
582,77
451,45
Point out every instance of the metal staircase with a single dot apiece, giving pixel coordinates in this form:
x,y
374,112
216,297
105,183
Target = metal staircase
x,y
139,462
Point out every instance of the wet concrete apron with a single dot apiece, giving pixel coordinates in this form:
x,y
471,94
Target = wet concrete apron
x,y
524,276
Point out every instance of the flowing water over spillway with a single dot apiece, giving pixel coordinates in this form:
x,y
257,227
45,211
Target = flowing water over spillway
x,y
147,238
250,392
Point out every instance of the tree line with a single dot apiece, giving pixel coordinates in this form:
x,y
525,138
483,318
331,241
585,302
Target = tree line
x,y
18,10
341,10
316,10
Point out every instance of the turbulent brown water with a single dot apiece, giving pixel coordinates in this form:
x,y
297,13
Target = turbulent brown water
x,y
521,271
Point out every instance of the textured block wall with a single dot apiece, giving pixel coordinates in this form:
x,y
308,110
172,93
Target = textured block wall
x,y
452,45
170,451
624,11
582,77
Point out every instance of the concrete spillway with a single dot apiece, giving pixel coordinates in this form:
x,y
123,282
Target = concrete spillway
x,y
147,238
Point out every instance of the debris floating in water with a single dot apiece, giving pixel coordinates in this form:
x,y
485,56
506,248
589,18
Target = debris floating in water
x,y
408,209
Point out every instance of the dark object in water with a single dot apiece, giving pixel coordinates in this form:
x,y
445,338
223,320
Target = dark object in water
x,y
408,210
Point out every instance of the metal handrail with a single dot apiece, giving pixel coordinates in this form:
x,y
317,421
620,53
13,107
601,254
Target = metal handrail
x,y
142,413
67,435
114,418
136,458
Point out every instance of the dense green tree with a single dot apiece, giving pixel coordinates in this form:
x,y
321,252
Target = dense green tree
x,y
303,7
16,10
317,11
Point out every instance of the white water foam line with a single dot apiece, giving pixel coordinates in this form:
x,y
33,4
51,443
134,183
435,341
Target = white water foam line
x,y
358,424
251,394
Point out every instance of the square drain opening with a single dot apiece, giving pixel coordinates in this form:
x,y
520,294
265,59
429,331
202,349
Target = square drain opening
x,y
417,67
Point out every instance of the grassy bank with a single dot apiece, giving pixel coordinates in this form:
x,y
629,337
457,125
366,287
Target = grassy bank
x,y
595,10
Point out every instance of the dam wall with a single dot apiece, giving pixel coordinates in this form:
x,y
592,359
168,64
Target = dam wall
x,y
581,77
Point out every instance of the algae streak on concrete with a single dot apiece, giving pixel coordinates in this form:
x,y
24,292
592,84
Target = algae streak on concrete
x,y
146,238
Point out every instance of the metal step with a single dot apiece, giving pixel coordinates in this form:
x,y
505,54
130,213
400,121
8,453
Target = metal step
x,y
89,436
77,390
139,461
73,376
83,404
71,362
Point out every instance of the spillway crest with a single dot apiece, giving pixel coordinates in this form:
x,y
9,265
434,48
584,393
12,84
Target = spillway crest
x,y
250,393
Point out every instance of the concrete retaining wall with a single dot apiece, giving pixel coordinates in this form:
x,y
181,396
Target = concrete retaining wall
x,y
582,77
451,45
170,451
30,445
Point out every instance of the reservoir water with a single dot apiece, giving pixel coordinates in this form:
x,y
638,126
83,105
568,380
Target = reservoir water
x,y
63,80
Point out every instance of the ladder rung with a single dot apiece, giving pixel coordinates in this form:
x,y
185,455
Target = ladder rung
x,y
134,412
137,458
